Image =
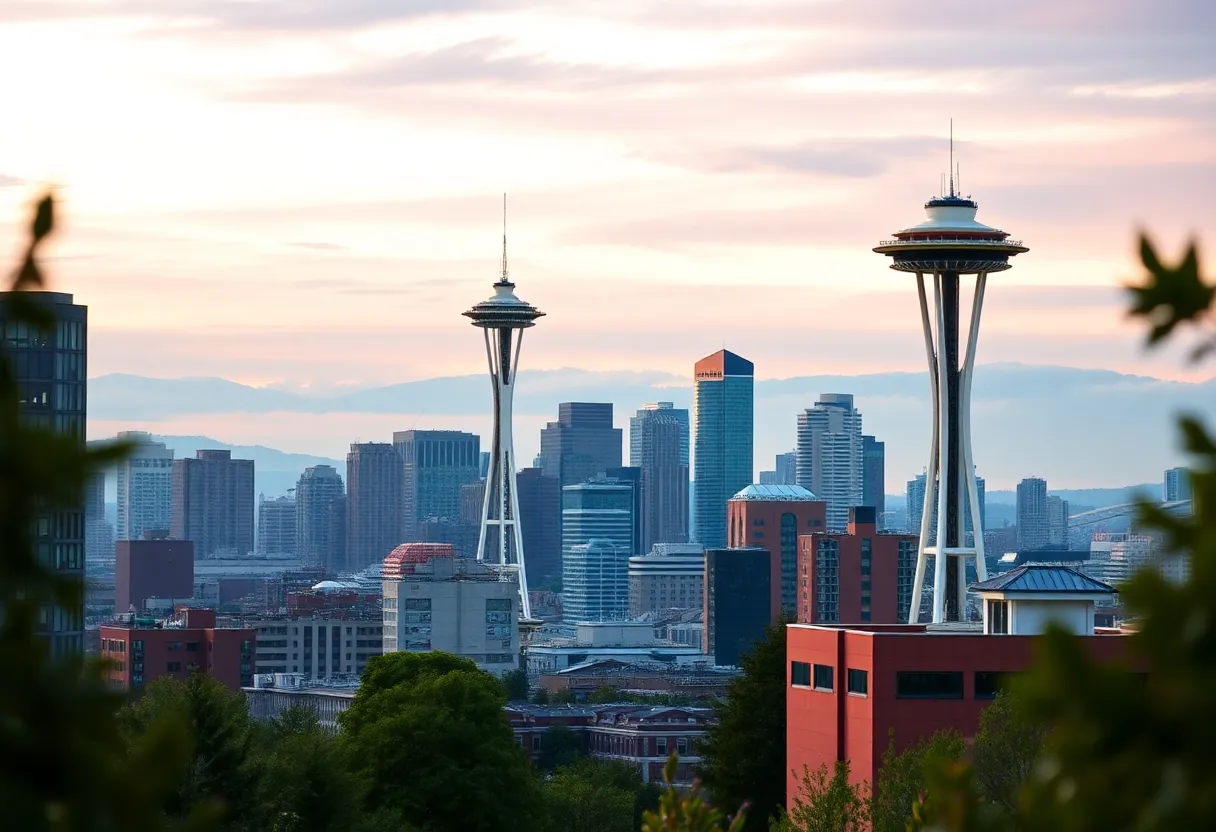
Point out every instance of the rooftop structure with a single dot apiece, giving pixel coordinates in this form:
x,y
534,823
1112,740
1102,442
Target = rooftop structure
x,y
947,245
772,492
503,318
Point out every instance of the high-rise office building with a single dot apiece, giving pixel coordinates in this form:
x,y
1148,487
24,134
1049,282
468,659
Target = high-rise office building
x,y
213,504
658,446
277,526
595,582
601,509
581,444
145,486
98,533
321,518
874,477
633,478
1032,514
723,417
1177,484
915,491
373,503
670,577
786,468
50,369
831,455
1057,522
435,465
540,520
152,568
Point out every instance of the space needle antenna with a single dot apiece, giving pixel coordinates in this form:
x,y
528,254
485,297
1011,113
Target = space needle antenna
x,y
504,240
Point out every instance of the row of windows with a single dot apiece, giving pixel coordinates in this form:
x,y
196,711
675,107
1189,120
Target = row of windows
x,y
912,684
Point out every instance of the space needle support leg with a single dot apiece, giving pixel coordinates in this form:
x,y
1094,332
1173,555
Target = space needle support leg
x,y
942,448
525,605
918,581
972,489
485,500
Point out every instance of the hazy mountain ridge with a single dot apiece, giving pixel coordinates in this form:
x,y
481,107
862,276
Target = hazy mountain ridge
x,y
1074,427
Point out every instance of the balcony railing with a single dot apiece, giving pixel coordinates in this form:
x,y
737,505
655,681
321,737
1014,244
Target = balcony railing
x,y
950,240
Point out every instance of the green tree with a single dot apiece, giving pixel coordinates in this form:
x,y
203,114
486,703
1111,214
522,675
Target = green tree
x,y
426,736
688,810
743,754
515,683
559,746
303,781
63,765
826,803
220,734
1127,751
540,696
597,796
1006,750
902,777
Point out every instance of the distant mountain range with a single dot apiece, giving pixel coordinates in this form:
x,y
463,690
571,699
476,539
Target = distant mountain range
x,y
1074,427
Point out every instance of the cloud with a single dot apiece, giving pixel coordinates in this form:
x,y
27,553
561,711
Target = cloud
x,y
7,181
860,157
320,246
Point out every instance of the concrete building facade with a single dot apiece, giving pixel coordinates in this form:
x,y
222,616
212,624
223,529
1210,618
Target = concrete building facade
x,y
321,518
277,526
436,601
1032,514
672,576
831,455
373,503
213,504
317,647
152,568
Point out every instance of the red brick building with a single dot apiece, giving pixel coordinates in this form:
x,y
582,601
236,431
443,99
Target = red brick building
x,y
773,517
143,649
641,735
861,577
850,689
151,568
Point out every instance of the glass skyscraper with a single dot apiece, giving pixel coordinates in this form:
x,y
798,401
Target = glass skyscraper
x,y
723,404
50,370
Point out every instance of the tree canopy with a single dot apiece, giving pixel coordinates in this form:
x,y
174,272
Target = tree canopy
x,y
743,754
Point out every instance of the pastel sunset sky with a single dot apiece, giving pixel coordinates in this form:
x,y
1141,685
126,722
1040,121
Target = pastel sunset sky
x,y
308,193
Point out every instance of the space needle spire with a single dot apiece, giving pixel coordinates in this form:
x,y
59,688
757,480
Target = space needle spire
x,y
948,246
503,318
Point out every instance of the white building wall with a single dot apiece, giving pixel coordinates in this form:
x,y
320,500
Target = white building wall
x,y
145,487
1032,617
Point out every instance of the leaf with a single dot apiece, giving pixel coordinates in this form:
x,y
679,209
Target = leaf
x,y
44,217
1170,296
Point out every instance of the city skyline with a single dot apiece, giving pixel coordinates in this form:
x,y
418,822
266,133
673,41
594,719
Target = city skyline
x,y
744,216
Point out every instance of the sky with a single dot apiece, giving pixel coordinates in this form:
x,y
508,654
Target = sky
x,y
308,194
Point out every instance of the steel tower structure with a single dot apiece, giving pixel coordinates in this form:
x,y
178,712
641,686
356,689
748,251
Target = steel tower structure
x,y
948,245
503,318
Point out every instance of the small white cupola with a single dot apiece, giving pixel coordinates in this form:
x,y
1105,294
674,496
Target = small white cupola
x,y
1026,600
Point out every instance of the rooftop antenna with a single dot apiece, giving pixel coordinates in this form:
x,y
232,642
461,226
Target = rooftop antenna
x,y
951,157
504,240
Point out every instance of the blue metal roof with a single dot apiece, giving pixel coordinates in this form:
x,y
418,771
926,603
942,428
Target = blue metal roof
x,y
795,493
1042,577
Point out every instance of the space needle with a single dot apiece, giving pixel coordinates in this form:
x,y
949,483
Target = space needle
x,y
947,246
503,318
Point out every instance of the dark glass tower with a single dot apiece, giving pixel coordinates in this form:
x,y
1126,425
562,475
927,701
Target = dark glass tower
x,y
658,446
436,464
581,444
723,404
50,369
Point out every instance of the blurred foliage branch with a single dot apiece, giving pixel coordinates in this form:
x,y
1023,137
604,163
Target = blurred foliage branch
x,y
63,763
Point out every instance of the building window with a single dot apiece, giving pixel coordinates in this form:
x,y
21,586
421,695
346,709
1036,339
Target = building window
x,y
988,683
536,742
660,746
859,682
800,674
824,676
929,685
682,746
998,618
